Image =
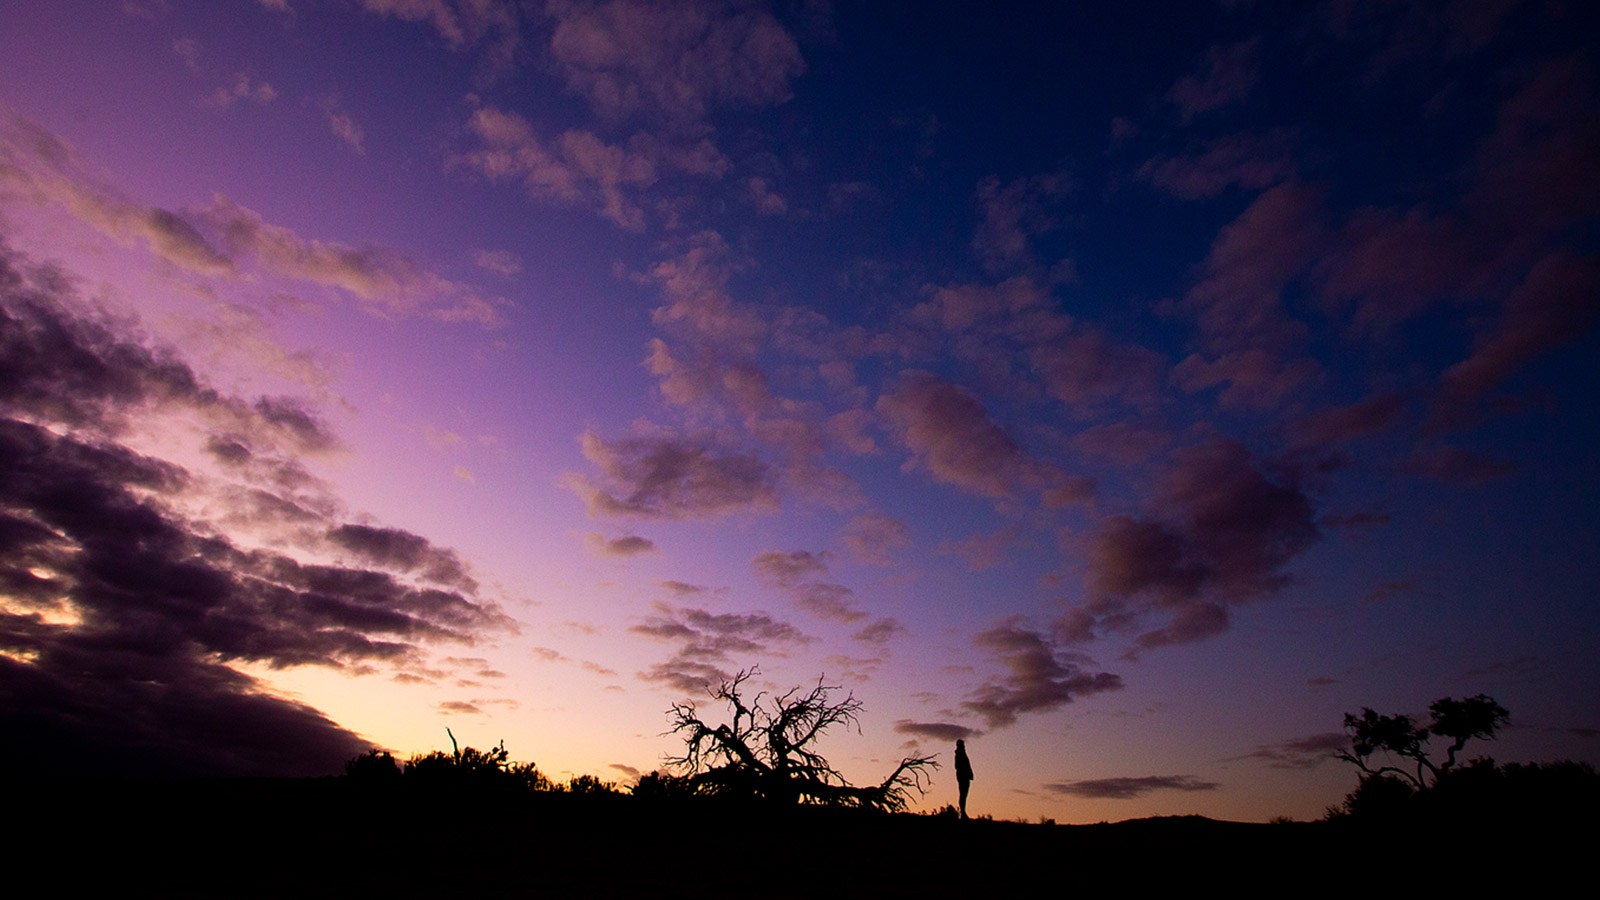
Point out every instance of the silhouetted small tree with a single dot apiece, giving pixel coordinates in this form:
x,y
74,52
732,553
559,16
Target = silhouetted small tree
x,y
1397,736
767,750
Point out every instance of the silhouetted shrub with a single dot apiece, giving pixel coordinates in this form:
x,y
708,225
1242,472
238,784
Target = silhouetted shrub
x,y
1376,797
587,784
469,764
659,785
372,765
527,775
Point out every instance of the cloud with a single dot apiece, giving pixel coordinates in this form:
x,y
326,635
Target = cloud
x,y
395,548
1013,214
984,551
880,631
40,168
1124,443
1255,379
936,731
1019,308
56,366
462,23
672,60
1455,465
1342,424
1219,532
391,283
833,602
1252,162
1039,678
243,87
1245,330
1400,37
188,49
707,640
123,610
1130,788
1300,753
576,169
1088,371
764,199
787,568
695,287
1557,303
672,478
848,429
873,536
221,239
343,126
626,546
500,262
1226,78
948,432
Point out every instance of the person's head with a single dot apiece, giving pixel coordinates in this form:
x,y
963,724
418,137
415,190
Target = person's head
x,y
960,744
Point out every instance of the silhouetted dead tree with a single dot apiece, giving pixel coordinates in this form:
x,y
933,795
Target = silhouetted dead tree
x,y
767,750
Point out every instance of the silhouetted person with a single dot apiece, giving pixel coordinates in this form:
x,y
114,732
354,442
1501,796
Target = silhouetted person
x,y
963,774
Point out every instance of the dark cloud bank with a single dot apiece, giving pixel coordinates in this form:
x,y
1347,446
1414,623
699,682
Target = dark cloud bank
x,y
120,614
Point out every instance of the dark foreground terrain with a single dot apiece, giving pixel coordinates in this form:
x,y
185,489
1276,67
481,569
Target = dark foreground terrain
x,y
340,838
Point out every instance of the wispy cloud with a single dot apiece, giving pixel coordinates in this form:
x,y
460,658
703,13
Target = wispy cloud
x,y
1130,788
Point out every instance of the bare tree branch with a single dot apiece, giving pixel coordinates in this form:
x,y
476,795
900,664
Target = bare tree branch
x,y
767,751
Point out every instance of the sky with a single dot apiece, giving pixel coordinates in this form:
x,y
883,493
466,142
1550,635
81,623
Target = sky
x,y
1130,390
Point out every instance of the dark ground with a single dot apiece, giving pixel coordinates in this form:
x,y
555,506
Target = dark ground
x,y
338,838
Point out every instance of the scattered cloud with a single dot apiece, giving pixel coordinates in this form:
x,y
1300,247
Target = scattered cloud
x,y
1039,678
1227,76
576,169
786,568
1251,162
707,641
1011,215
872,537
672,478
221,240
1219,532
1455,465
244,86
764,199
343,126
1300,753
880,631
500,262
984,551
669,60
1130,788
624,547
936,731
124,608
950,434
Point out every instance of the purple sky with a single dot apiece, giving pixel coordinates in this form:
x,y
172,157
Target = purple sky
x,y
1132,389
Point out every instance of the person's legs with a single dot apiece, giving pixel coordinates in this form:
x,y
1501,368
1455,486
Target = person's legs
x,y
964,786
